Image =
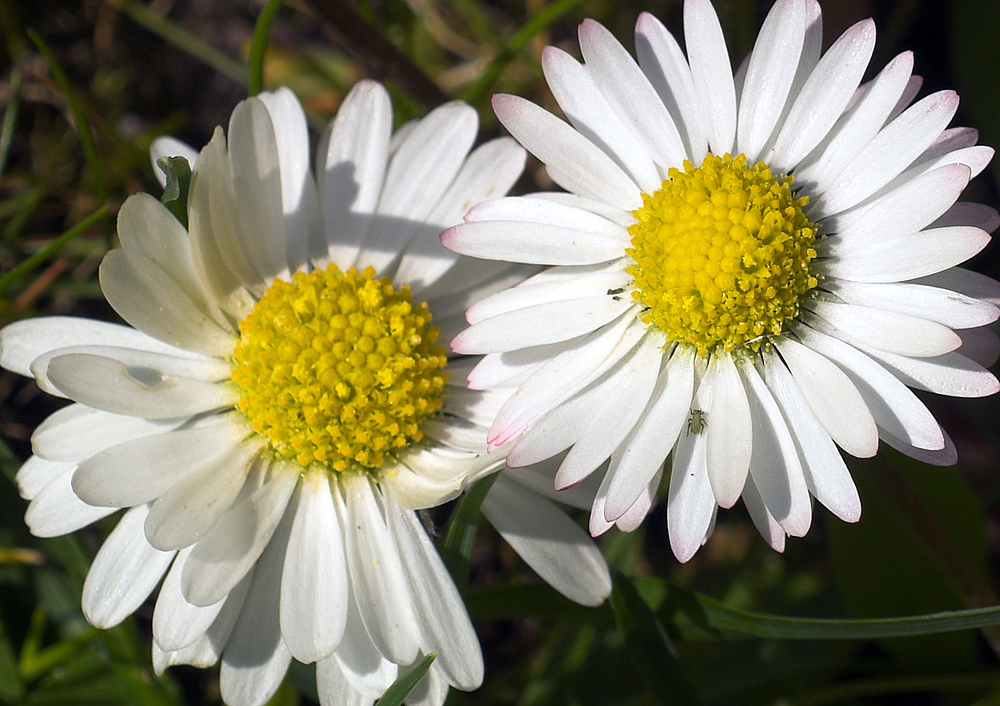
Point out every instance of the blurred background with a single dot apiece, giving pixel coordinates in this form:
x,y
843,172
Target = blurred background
x,y
76,127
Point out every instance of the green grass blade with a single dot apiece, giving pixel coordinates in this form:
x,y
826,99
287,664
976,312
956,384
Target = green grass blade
x,y
174,34
52,248
258,46
401,688
474,93
82,127
649,647
10,117
698,613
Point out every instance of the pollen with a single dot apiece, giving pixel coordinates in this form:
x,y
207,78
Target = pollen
x,y
721,254
338,369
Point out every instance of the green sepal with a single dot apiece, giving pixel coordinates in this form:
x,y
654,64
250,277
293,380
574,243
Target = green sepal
x,y
175,193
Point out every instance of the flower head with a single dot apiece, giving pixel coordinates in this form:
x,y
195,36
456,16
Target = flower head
x,y
285,401
748,271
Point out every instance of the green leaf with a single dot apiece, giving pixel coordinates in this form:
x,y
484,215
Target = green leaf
x,y
401,688
887,565
175,193
460,539
258,45
649,646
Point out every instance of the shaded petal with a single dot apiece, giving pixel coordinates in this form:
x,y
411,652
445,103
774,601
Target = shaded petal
x,y
833,398
381,587
443,619
36,473
77,432
56,510
228,551
549,542
941,305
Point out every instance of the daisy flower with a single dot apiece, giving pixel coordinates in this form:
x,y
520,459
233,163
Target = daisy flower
x,y
284,403
749,270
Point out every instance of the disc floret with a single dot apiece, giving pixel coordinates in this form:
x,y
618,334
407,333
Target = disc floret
x,y
721,254
338,368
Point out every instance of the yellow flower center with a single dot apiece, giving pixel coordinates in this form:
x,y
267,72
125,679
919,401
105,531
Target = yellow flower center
x,y
338,368
721,254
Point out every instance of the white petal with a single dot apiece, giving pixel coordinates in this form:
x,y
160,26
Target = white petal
x,y
825,472
77,432
885,330
539,325
142,470
23,342
146,297
946,307
584,168
825,95
950,374
630,93
711,72
654,435
832,397
559,429
140,391
907,256
629,387
532,293
352,167
314,582
124,572
227,552
298,191
177,623
549,542
56,510
190,508
893,406
358,661
531,243
967,282
907,209
380,584
217,248
590,113
888,153
37,472
443,619
690,500
770,72
545,211
418,175
555,381
256,169
729,442
488,173
256,658
667,69
856,127
763,520
775,466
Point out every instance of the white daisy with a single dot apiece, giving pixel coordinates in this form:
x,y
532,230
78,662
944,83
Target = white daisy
x,y
708,306
281,407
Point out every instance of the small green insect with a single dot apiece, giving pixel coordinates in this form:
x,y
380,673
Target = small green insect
x,y
697,421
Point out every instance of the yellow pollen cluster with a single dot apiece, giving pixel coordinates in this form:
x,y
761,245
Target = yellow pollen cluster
x,y
721,254
338,368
